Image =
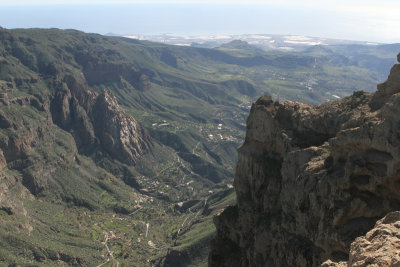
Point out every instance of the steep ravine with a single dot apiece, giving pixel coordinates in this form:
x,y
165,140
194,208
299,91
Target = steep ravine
x,y
92,150
311,179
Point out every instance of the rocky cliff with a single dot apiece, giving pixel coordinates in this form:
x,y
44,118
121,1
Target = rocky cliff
x,y
311,179
97,119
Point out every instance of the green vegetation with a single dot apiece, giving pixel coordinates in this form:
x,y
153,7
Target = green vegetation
x,y
62,203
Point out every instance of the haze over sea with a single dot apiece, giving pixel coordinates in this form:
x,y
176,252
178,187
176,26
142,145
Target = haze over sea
x,y
203,19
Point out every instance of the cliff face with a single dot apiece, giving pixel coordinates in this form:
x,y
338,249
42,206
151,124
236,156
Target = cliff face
x,y
311,179
30,135
120,134
97,119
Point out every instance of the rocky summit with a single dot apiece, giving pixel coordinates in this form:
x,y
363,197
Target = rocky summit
x,y
312,181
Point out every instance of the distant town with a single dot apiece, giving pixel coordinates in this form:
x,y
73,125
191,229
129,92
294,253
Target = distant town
x,y
264,41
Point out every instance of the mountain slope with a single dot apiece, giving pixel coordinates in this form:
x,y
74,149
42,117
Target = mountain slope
x,y
73,160
120,150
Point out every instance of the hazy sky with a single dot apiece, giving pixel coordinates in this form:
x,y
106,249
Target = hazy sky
x,y
368,20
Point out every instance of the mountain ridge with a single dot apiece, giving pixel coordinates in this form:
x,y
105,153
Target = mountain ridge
x,y
119,150
73,158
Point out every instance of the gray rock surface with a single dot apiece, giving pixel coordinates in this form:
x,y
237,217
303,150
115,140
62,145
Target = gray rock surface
x,y
379,247
311,179
98,119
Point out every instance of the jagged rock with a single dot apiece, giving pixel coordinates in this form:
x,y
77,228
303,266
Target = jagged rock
x,y
379,247
96,122
310,179
15,146
118,132
61,107
97,118
389,87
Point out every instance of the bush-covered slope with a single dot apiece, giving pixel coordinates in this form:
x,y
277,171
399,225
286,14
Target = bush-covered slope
x,y
75,164
118,150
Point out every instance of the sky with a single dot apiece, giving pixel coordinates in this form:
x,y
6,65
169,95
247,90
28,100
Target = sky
x,y
367,20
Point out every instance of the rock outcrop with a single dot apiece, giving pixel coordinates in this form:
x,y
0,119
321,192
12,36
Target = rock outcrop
x,y
311,179
379,247
120,134
97,119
